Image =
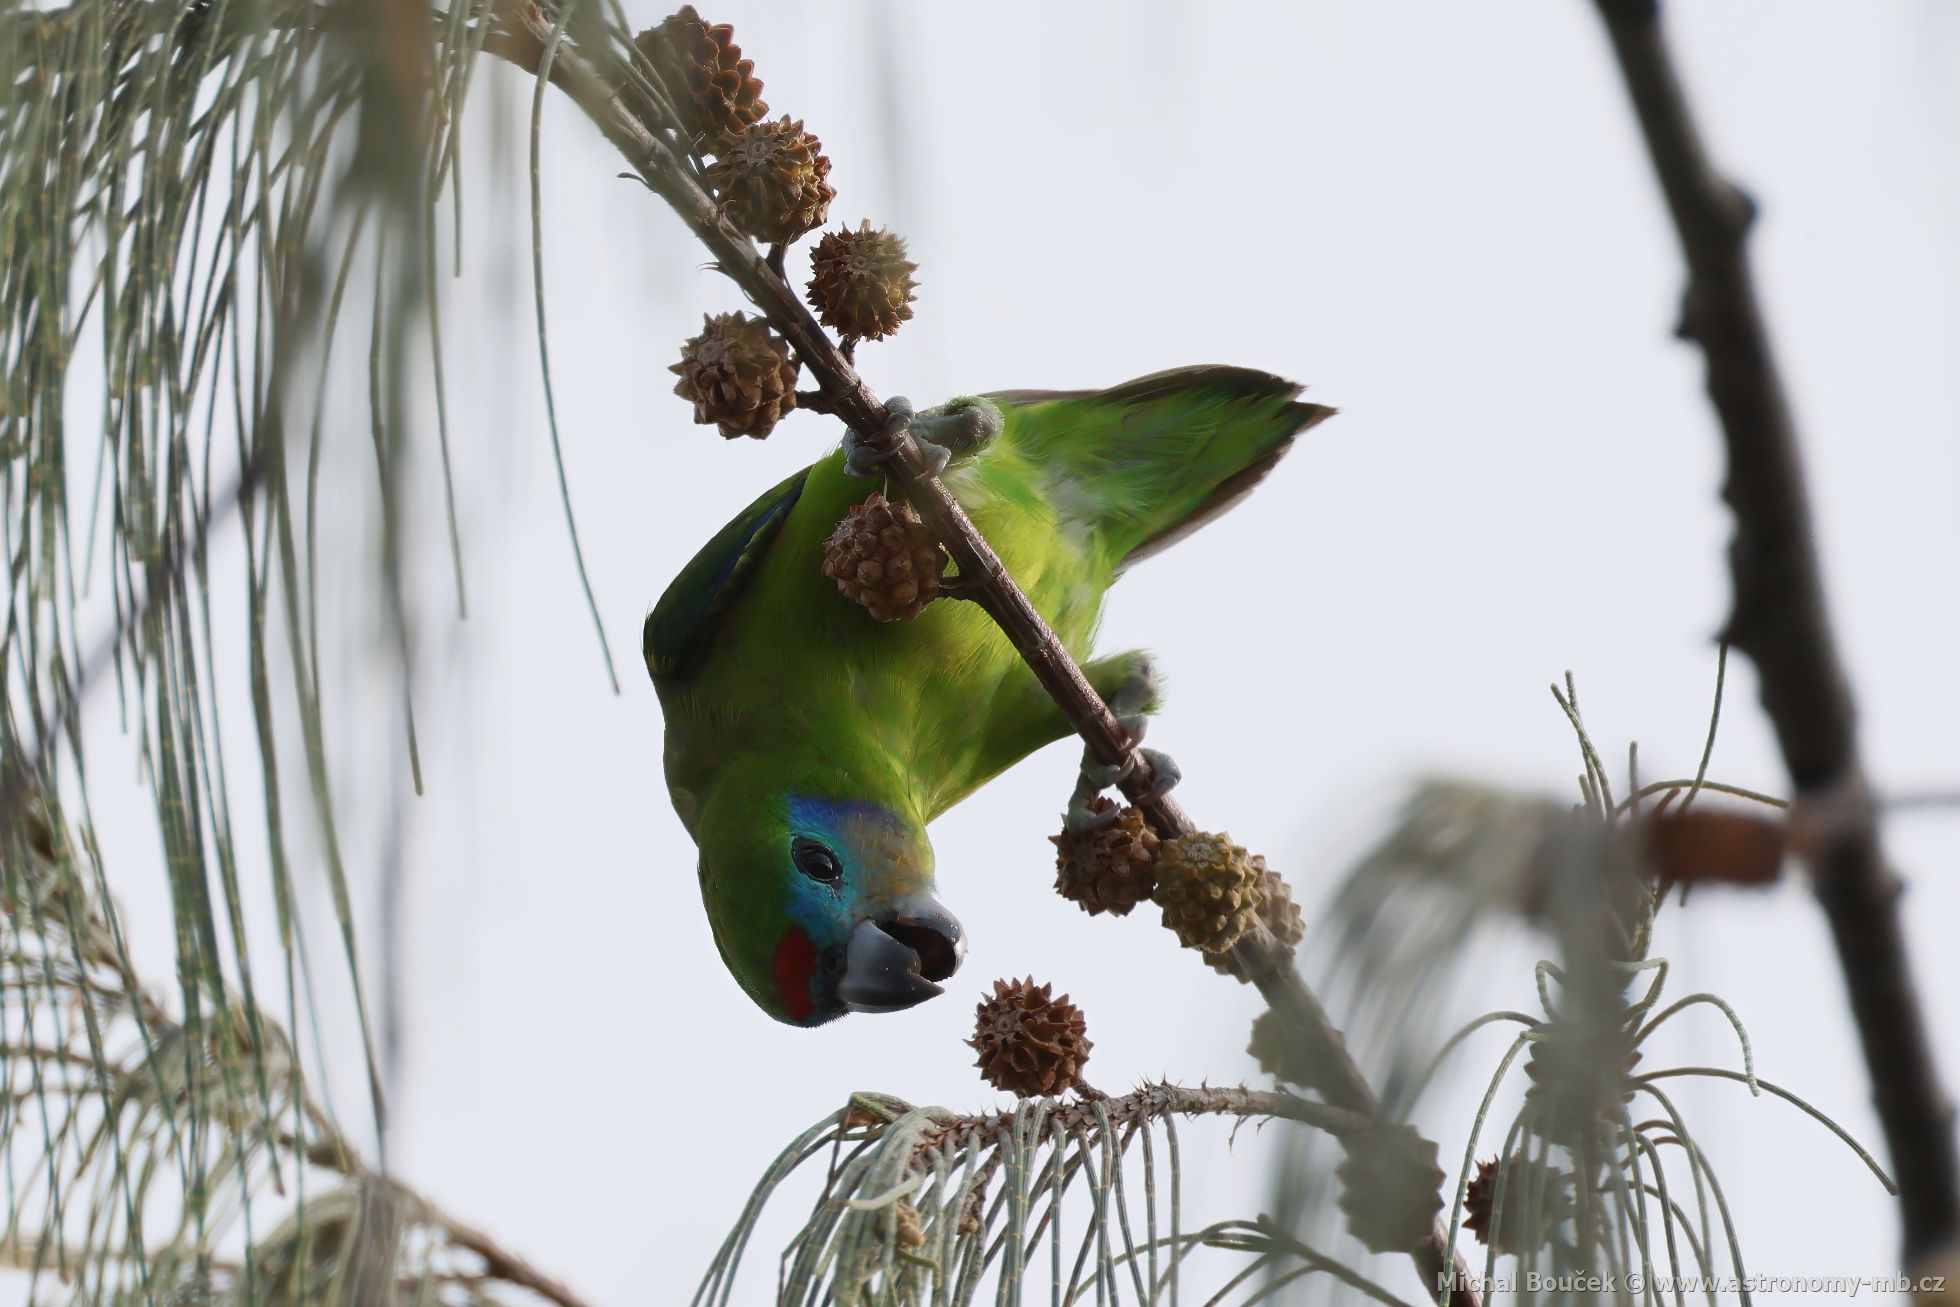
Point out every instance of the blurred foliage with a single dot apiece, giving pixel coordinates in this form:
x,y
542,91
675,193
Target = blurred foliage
x,y
190,196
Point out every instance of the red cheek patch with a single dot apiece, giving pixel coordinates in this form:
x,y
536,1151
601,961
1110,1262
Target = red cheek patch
x,y
795,963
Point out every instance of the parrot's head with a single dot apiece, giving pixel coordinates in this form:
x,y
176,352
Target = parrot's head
x,y
823,905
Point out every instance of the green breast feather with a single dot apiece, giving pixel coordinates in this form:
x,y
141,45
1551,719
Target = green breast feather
x,y
682,625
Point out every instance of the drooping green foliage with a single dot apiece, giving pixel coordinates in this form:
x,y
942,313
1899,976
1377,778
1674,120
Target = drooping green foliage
x,y
190,197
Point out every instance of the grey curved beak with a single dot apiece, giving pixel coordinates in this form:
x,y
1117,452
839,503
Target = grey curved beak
x,y
896,960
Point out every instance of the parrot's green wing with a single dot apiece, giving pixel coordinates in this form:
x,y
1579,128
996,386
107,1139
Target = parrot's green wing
x,y
1144,464
682,625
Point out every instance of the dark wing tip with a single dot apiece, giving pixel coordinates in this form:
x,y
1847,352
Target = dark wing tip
x,y
1240,383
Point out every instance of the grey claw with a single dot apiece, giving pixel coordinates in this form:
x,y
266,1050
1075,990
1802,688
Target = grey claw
x,y
1164,773
1083,818
935,457
1099,776
1136,724
862,458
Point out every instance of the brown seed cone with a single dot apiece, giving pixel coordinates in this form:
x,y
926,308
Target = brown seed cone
x,y
1029,1044
1277,911
1480,1201
1107,870
1209,890
770,181
882,556
737,375
861,282
909,1232
1278,1056
1389,1187
714,90
1522,1229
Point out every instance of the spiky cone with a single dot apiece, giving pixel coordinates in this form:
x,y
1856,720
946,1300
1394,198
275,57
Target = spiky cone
x,y
1390,1184
714,90
738,375
1277,912
770,181
1277,1055
1029,1043
1209,889
882,556
1534,1201
1110,869
861,282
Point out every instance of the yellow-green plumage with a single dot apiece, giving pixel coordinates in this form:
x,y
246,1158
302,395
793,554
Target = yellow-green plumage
x,y
793,716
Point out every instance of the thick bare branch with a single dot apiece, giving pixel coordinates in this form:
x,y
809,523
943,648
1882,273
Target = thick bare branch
x,y
1780,620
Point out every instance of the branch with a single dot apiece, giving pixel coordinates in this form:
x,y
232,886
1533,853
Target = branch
x,y
1155,1102
501,1264
1779,619
1266,962
333,1152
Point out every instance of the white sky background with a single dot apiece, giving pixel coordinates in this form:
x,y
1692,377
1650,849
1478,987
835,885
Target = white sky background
x,y
1439,216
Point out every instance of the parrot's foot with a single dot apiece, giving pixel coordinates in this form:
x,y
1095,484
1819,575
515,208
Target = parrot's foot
x,y
1164,774
863,458
958,426
1135,692
1085,816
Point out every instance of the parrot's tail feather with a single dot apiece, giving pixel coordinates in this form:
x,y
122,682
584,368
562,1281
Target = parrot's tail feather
x,y
1223,497
1146,463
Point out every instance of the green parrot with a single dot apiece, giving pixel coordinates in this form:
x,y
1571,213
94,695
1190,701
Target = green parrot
x,y
808,746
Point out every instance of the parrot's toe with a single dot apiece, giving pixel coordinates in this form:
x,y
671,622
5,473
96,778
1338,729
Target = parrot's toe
x,y
1084,816
1098,776
863,458
1164,774
935,457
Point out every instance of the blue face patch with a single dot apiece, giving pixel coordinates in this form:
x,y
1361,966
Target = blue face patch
x,y
876,855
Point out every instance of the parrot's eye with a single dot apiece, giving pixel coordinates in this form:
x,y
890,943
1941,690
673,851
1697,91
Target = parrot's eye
x,y
815,860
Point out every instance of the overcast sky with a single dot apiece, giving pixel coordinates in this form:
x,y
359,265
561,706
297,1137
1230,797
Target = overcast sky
x,y
1437,216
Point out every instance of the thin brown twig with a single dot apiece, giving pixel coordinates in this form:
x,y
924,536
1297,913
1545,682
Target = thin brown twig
x,y
499,1263
333,1152
1266,962
1780,621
